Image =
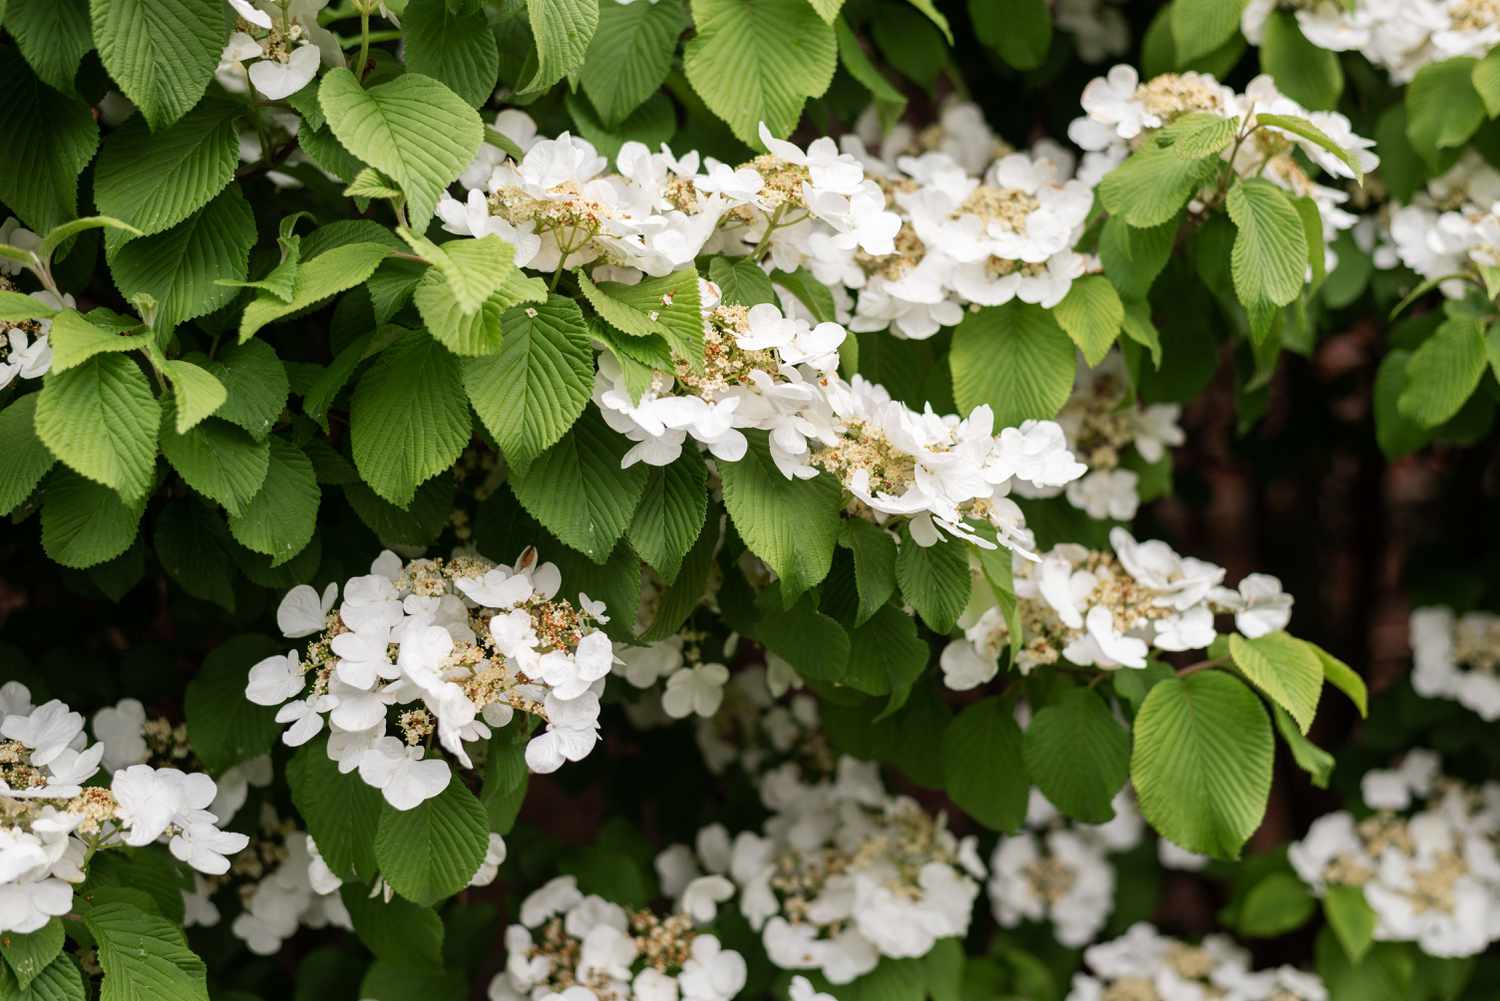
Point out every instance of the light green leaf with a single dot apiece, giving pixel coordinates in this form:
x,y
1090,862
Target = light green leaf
x,y
155,180
874,554
1139,328
529,394
1092,314
562,30
1078,755
280,519
219,461
196,393
433,850
1200,26
53,35
18,307
759,62
371,183
934,580
144,956
1269,259
100,419
280,281
257,385
792,524
162,53
1443,372
478,333
667,306
1154,184
325,275
1343,677
1283,667
630,56
1351,917
1020,31
1442,108
420,133
225,727
49,139
1395,433
1275,904
58,234
1486,79
24,460
75,340
983,768
320,395
1202,762
83,523
1309,74
409,419
1016,359
1199,134
1299,126
1311,758
340,811
741,281
813,643
888,100
453,45
475,269
670,516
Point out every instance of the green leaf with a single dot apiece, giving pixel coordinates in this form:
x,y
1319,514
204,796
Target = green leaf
x,y
30,954
874,554
225,727
1021,31
192,544
791,524
58,235
1274,905
1153,185
578,491
280,281
630,56
529,394
1299,126
17,307
419,524
1486,79
409,419
888,100
453,46
100,419
1078,755
1202,761
759,62
144,956
325,275
395,930
1307,73
1016,359
53,35
474,268
934,580
1133,257
24,460
1092,314
75,340
1139,328
1283,667
1199,134
478,333
506,777
1200,26
257,385
85,524
196,394
813,643
1269,259
161,53
414,129
670,516
1442,108
1342,676
49,139
667,307
983,768
1351,917
562,30
1311,758
886,657
280,519
155,180
930,11
1443,372
340,811
432,850
1396,433
180,267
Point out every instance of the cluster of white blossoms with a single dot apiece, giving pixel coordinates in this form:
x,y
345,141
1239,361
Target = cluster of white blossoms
x,y
1448,228
276,48
1145,965
845,873
1109,609
1058,871
569,946
51,822
1099,29
1400,35
1121,112
766,370
1426,858
1103,423
1457,657
442,649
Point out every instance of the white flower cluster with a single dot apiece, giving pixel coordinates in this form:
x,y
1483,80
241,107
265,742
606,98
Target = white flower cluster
x,y
1145,965
1099,29
1400,35
450,648
1058,871
844,873
1102,427
572,947
1426,858
769,371
1451,226
51,823
1457,657
1121,112
276,47
1108,610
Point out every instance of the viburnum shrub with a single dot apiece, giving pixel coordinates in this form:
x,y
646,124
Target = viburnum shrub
x,y
691,500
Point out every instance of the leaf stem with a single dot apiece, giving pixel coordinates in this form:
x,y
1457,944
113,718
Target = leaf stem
x,y
364,45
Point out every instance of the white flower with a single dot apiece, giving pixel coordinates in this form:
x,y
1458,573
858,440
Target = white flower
x,y
203,846
713,973
402,774
695,690
275,679
572,730
703,895
302,612
49,730
119,728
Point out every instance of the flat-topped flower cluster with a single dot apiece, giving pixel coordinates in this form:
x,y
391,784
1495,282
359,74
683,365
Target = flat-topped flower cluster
x,y
1145,965
1457,657
1448,229
52,822
437,650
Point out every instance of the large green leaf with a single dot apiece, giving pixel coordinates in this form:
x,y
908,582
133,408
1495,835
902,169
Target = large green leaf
x,y
1153,185
756,61
225,727
630,55
670,516
478,332
144,956
1078,755
341,812
196,393
1442,107
1269,259
325,275
432,850
408,419
1443,372
53,35
874,554
934,580
280,519
24,460
1309,74
562,30
414,129
395,930
161,53
1202,762
983,768
218,460
29,955
75,340
256,383
83,523
1092,315
100,419
792,524
454,45
667,306
49,139
813,643
1285,668
1200,26
155,180
1016,359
